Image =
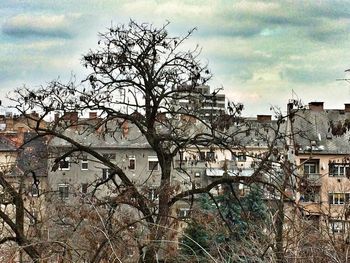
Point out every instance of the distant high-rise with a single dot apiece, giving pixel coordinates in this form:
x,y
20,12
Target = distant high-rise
x,y
199,99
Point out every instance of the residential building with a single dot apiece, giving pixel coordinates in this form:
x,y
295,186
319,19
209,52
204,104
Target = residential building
x,y
321,144
201,100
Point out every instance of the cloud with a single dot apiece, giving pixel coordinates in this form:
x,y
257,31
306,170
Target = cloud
x,y
25,25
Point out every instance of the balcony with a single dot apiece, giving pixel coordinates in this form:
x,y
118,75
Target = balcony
x,y
311,179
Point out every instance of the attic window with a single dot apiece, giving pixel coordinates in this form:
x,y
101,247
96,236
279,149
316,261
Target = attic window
x,y
132,163
84,163
64,164
109,156
153,164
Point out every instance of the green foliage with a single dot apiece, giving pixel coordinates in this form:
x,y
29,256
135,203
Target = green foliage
x,y
195,241
230,229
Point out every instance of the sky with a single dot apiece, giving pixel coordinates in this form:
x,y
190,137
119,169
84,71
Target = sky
x,y
262,53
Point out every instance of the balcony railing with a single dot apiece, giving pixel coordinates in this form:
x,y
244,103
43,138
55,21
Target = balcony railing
x,y
312,179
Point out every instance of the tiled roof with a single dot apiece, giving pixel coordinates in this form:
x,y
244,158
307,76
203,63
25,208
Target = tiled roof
x,y
326,131
7,145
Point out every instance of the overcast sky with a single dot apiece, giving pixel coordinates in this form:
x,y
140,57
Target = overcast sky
x,y
259,51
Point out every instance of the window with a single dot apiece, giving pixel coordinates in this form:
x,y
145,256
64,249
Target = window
x,y
110,156
132,163
106,173
310,195
210,156
336,227
338,198
152,194
84,163
241,157
202,156
338,170
84,188
63,191
310,168
233,156
153,164
64,164
184,213
34,190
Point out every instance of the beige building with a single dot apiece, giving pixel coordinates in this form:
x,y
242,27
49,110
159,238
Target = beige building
x,y
322,156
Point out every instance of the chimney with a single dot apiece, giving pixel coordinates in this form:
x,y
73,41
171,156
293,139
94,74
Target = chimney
x,y
57,117
34,114
188,118
263,118
20,135
92,115
9,124
347,107
316,106
125,128
161,117
71,116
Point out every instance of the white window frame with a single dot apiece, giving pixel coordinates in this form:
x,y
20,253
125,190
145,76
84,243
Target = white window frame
x,y
338,198
62,194
67,160
307,167
153,159
337,226
84,161
337,170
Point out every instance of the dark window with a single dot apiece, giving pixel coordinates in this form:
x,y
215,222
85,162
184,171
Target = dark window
x,y
202,156
152,194
337,170
311,168
310,195
63,191
110,156
132,163
64,164
34,190
336,227
153,164
106,173
84,163
210,156
241,157
184,213
84,188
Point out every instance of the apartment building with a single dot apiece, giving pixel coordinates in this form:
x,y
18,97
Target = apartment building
x,y
201,100
321,144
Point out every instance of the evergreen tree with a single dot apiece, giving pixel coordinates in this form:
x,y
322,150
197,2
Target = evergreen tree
x,y
231,224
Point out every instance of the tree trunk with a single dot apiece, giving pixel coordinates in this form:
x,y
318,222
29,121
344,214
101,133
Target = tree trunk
x,y
161,227
279,251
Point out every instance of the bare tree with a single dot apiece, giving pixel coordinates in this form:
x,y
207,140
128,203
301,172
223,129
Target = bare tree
x,y
138,76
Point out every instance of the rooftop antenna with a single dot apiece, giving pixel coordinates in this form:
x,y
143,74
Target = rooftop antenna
x,y
345,79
